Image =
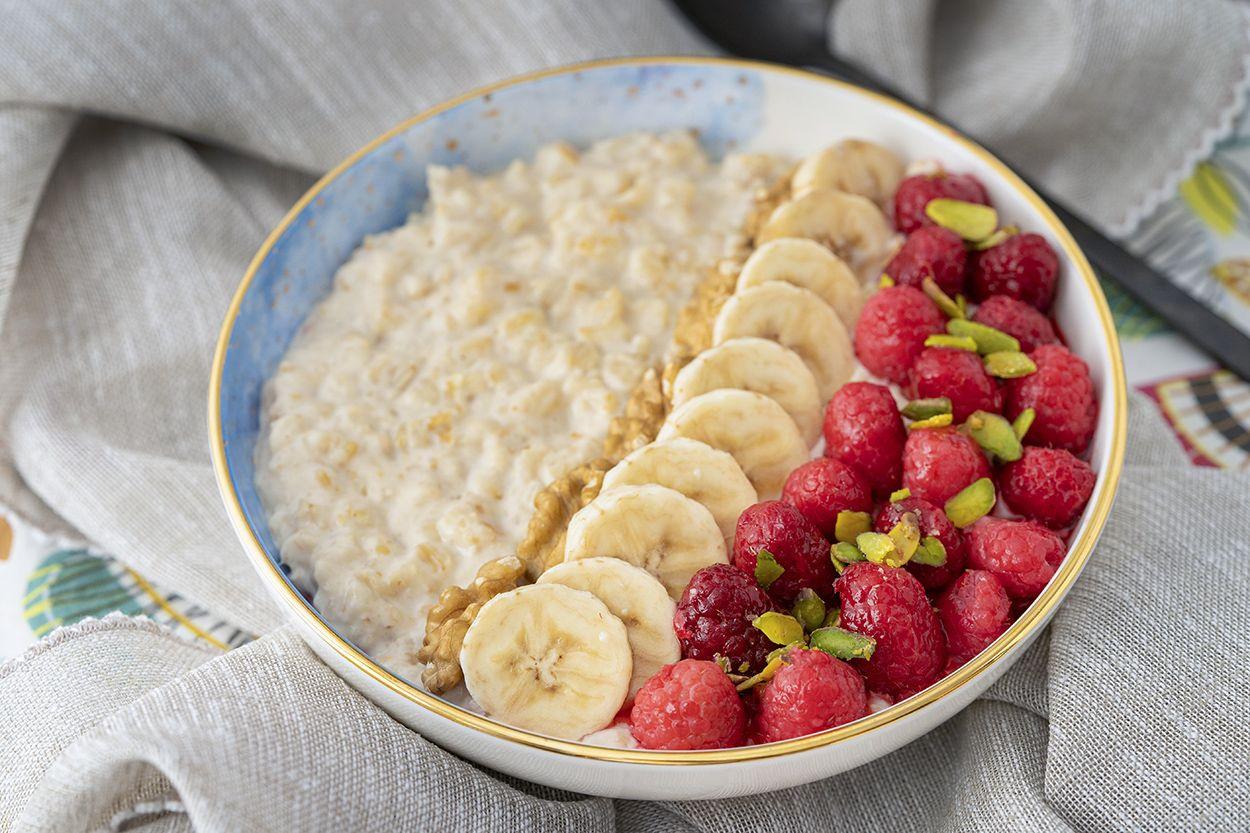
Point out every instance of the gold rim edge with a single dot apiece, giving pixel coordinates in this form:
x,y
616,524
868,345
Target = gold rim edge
x,y
1021,629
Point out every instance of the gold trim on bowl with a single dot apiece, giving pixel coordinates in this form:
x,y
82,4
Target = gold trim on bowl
x,y
1020,630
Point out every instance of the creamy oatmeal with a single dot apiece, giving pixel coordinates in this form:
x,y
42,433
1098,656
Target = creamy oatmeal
x,y
476,353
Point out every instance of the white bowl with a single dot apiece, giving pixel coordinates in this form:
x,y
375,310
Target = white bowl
x,y
734,105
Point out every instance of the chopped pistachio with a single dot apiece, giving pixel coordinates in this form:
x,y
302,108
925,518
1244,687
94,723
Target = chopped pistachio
x,y
935,421
995,434
951,342
971,221
925,408
843,644
899,494
885,282
767,570
988,339
770,670
962,303
850,524
931,552
971,504
779,627
833,618
877,547
949,307
809,609
845,553
1009,364
1023,423
905,536
996,238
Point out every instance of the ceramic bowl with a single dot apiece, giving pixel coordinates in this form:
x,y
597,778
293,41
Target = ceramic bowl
x,y
733,105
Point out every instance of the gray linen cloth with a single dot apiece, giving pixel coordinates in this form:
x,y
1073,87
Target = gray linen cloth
x,y
146,148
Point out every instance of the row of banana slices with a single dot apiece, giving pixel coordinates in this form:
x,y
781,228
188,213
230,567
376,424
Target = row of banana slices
x,y
561,656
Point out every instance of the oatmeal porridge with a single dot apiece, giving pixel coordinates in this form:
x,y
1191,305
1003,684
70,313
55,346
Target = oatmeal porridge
x,y
471,356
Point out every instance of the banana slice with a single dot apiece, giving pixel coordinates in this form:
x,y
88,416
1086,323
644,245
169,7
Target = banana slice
x,y
852,165
548,658
809,265
851,225
636,598
653,527
797,319
760,365
753,428
698,471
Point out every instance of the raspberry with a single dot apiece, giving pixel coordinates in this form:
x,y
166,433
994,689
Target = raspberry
x,y
931,251
891,330
933,522
1062,395
795,543
914,193
1016,318
1021,554
957,374
810,693
822,488
714,617
974,611
938,463
863,429
890,605
690,704
1023,266
1048,485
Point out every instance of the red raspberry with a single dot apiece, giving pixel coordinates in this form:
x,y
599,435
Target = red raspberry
x,y
933,522
795,543
1048,485
974,611
1016,318
863,429
1021,554
810,693
891,330
938,463
1023,266
957,374
690,704
1062,395
931,252
822,488
714,617
914,193
890,605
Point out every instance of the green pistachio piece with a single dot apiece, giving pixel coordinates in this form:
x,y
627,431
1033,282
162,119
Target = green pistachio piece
x,y
995,434
931,552
850,524
925,408
767,570
877,547
843,644
885,282
962,303
935,421
949,307
833,618
988,339
996,238
905,536
951,342
971,221
1009,364
770,670
1023,423
779,627
809,609
899,494
843,553
973,503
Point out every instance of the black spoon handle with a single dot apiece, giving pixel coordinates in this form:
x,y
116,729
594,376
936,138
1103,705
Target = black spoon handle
x,y
1204,327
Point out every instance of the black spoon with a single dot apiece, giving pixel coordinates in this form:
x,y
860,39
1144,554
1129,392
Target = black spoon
x,y
793,32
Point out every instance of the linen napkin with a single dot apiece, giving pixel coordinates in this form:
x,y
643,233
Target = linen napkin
x,y
145,150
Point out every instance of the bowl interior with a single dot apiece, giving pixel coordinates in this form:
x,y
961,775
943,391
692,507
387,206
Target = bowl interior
x,y
733,106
